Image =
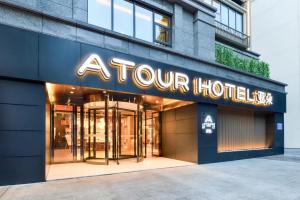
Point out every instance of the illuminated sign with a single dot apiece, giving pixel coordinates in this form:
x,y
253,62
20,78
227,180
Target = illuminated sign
x,y
145,76
208,125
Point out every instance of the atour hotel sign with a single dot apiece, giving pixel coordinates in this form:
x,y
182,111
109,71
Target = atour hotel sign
x,y
144,76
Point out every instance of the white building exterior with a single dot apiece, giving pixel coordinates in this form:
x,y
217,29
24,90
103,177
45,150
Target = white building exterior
x,y
276,35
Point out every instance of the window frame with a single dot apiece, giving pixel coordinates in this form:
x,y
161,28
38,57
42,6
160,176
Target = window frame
x,y
236,12
133,18
169,29
154,24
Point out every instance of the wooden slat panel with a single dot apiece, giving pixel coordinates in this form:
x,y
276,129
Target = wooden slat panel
x,y
242,130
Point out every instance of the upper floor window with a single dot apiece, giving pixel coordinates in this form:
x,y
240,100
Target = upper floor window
x,y
227,16
131,19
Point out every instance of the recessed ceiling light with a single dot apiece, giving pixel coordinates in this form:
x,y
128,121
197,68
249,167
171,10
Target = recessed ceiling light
x,y
71,92
73,88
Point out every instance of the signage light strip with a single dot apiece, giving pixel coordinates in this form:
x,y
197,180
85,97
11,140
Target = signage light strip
x,y
145,76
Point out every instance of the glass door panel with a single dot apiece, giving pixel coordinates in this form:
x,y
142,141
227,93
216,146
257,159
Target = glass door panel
x,y
99,135
156,135
63,137
126,133
96,142
140,138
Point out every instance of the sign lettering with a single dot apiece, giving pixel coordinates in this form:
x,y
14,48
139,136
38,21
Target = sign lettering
x,y
145,76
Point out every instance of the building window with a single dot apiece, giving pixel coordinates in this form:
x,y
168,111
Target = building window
x,y
123,17
143,24
227,16
128,18
224,15
239,22
101,13
162,29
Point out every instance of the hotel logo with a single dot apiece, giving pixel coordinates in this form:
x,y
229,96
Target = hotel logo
x,y
208,124
145,76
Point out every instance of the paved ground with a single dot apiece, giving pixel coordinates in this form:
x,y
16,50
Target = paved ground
x,y
276,177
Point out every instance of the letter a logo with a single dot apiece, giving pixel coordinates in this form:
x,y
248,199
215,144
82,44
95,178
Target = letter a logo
x,y
94,64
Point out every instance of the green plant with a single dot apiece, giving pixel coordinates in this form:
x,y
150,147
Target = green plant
x,y
229,58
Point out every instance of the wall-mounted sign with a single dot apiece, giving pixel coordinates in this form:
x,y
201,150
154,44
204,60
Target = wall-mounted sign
x,y
145,76
208,125
279,126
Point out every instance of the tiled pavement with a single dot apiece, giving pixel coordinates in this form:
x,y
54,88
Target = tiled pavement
x,y
268,178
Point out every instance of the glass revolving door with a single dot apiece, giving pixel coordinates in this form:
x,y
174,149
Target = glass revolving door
x,y
96,138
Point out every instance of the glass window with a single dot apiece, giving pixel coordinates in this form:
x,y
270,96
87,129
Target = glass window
x,y
162,29
239,22
161,34
127,18
143,24
224,15
100,13
218,7
231,18
123,17
162,20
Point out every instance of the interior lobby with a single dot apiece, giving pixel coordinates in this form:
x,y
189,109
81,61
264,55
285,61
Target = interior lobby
x,y
94,132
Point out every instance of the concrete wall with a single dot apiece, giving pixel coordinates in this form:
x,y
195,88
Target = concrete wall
x,y
179,133
275,34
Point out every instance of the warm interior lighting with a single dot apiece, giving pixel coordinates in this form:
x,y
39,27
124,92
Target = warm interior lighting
x,y
50,92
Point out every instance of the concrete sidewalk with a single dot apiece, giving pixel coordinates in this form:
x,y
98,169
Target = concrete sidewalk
x,y
261,178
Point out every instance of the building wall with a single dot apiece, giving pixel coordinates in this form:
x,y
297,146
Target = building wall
x,y
47,136
275,32
22,132
188,50
179,133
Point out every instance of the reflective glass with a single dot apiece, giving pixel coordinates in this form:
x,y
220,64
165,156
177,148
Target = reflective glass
x,y
239,22
231,18
123,17
143,24
224,15
100,13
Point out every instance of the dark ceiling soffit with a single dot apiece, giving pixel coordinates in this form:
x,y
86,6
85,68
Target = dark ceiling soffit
x,y
96,29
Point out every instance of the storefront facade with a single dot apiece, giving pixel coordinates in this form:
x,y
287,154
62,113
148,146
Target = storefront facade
x,y
69,101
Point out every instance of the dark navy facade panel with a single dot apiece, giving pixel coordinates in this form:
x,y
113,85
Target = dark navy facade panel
x,y
28,60
207,143
22,132
58,59
19,53
278,144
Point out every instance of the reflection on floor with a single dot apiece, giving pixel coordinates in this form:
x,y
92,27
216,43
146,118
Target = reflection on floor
x,y
74,170
63,155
